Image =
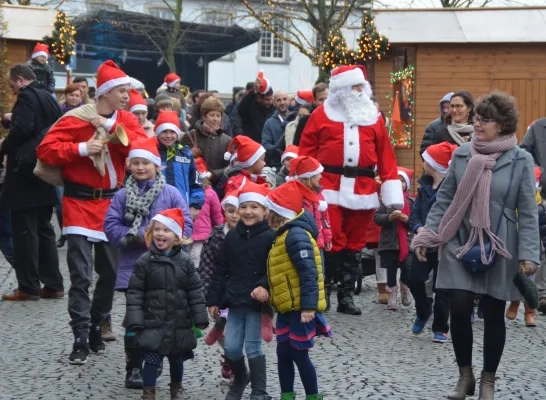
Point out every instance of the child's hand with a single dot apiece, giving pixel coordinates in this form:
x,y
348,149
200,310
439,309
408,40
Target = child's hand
x,y
194,212
396,214
260,294
404,218
213,311
328,246
203,326
307,316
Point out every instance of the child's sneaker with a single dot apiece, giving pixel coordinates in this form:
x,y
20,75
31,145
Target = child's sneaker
x,y
405,294
80,351
96,345
420,324
440,337
226,369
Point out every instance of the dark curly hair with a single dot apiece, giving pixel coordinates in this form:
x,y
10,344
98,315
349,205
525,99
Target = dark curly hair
x,y
500,107
468,101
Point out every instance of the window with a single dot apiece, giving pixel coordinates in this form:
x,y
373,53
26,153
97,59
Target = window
x,y
218,18
102,5
271,47
163,13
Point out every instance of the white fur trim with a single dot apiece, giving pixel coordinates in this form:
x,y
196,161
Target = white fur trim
x,y
147,155
169,223
252,160
205,175
347,79
370,116
165,126
112,83
299,100
252,196
82,149
322,205
40,53
227,156
289,178
138,107
289,154
171,85
392,194
231,200
430,161
310,174
351,145
282,211
346,197
406,178
92,235
537,185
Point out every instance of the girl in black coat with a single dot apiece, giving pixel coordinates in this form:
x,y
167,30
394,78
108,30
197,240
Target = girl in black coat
x,y
164,300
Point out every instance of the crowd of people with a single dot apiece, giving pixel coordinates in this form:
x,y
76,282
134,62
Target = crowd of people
x,y
262,208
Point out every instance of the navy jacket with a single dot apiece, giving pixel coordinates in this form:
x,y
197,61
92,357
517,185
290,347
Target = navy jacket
x,y
426,197
271,140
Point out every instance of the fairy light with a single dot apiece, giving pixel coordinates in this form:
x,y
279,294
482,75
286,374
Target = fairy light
x,y
407,76
61,40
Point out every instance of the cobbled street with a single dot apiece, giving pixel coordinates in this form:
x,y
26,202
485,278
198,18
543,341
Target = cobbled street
x,y
373,356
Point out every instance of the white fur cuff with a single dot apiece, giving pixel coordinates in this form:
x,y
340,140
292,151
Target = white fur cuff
x,y
392,194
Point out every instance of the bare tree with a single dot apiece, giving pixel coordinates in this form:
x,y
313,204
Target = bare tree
x,y
464,3
173,36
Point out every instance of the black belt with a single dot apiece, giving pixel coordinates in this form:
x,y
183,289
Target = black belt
x,y
83,192
350,172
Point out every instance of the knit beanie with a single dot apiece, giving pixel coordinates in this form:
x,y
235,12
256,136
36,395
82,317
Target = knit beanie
x,y
163,99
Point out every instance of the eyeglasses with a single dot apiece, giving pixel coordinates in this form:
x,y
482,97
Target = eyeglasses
x,y
457,106
482,121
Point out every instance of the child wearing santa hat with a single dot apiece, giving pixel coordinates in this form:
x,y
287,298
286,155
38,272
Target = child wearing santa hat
x,y
240,283
247,159
436,162
394,243
297,286
40,67
139,107
157,297
287,156
145,194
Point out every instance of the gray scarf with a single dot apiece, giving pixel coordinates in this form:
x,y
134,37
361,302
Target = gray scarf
x,y
137,206
456,131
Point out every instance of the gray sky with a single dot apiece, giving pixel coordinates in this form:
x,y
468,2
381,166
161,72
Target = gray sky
x,y
436,3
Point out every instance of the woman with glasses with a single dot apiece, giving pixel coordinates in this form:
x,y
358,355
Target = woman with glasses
x,y
475,223
460,118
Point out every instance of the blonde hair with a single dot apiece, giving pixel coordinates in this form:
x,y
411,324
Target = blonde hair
x,y
148,237
308,182
275,220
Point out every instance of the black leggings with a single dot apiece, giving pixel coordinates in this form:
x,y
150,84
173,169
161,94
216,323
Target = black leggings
x,y
462,304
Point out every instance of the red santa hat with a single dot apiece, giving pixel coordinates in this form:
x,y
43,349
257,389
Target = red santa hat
x,y
245,150
40,50
109,76
538,173
167,120
287,199
346,76
439,155
172,218
304,167
147,149
291,151
202,168
136,101
172,79
407,174
304,97
232,198
266,84
253,192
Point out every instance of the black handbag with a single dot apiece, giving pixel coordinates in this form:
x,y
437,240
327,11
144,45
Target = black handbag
x,y
472,260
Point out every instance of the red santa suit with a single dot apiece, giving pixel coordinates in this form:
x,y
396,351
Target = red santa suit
x,y
350,151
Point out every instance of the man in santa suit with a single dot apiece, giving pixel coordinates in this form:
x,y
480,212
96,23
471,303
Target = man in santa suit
x,y
347,136
71,144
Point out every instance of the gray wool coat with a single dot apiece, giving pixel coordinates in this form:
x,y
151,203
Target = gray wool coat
x,y
518,230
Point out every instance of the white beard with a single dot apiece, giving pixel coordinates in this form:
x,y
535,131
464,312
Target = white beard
x,y
356,106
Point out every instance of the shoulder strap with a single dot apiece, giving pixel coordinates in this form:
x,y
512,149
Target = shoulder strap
x,y
507,192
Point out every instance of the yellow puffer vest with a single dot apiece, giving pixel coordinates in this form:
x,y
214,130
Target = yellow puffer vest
x,y
284,281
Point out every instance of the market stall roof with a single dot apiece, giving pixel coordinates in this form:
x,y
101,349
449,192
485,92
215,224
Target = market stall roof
x,y
138,33
27,22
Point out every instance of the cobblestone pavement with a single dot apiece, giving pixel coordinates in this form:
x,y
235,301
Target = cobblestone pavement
x,y
373,356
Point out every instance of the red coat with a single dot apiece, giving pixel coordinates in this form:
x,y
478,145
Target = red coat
x,y
333,141
61,146
320,212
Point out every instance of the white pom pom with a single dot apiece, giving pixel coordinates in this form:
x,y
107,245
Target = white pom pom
x,y
227,156
323,206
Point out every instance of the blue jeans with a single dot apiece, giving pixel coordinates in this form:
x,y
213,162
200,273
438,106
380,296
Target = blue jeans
x,y
244,327
6,241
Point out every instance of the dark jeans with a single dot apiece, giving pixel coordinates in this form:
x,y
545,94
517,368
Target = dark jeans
x,y
390,261
6,242
84,311
416,281
59,206
494,335
35,250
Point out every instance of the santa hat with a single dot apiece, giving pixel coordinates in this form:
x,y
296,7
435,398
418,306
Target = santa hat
x,y
136,101
40,50
538,173
167,120
231,199
304,97
245,150
147,149
291,151
439,155
287,199
172,79
304,167
253,192
110,76
202,168
266,84
346,76
173,219
407,174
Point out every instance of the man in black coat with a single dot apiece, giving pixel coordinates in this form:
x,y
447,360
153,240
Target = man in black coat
x,y
254,109
29,199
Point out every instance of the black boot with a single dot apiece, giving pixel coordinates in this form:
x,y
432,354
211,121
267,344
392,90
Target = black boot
x,y
241,379
258,378
133,363
331,261
95,339
328,294
61,241
347,278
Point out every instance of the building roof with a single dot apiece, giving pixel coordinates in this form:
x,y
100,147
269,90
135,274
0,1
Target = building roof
x,y
60,80
466,25
27,22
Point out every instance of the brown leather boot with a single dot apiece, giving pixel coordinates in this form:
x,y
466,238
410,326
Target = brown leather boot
x,y
512,311
382,295
466,385
177,392
19,295
148,393
529,316
487,386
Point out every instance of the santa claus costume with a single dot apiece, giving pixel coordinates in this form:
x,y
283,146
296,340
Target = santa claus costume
x,y
348,137
91,179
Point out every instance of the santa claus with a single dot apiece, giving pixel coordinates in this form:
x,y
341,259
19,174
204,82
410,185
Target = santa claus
x,y
347,136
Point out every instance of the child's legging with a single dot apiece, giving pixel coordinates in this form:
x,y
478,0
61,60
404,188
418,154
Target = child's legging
x,y
151,364
288,356
392,271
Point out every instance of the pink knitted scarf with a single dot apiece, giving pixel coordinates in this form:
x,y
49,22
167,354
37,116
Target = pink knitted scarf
x,y
473,190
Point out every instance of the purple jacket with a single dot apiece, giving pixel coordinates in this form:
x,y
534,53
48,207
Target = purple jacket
x,y
210,216
116,227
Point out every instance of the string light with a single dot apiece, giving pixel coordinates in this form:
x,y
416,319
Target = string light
x,y
61,40
405,76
